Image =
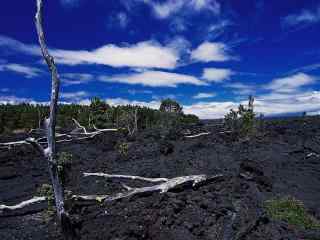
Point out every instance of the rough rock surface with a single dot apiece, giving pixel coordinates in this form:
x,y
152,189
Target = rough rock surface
x,y
274,163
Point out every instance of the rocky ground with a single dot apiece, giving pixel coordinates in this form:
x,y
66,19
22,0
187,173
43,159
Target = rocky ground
x,y
282,160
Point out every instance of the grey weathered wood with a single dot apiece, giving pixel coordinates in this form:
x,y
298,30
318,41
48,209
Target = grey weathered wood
x,y
50,125
165,185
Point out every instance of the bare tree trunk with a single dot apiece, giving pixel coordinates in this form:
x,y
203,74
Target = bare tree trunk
x,y
136,120
50,124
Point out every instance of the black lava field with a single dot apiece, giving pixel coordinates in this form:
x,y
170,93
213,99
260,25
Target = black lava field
x,y
281,160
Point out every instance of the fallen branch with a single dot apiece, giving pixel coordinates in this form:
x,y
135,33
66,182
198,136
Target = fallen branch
x,y
126,177
198,135
15,210
165,186
80,133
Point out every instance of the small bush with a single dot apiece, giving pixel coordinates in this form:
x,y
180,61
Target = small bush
x,y
241,121
45,190
123,149
292,211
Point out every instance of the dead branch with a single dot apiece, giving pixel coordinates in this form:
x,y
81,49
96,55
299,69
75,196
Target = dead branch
x,y
79,133
15,209
126,177
198,135
167,185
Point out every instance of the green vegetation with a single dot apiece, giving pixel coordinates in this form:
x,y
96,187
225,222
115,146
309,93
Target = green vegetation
x,y
64,165
45,190
292,211
98,113
241,121
170,106
123,149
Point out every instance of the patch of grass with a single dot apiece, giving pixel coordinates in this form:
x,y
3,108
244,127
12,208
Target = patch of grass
x,y
292,211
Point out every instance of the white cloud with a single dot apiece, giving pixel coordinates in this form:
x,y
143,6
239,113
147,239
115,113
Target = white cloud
x,y
210,52
209,110
143,54
241,88
74,96
154,79
204,95
76,78
216,74
148,54
303,17
28,72
291,83
269,105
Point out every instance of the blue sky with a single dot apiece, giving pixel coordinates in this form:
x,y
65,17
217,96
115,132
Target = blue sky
x,y
207,54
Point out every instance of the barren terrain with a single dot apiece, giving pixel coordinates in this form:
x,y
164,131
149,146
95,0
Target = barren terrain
x,y
282,160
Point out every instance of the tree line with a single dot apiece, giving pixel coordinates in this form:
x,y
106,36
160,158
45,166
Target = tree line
x,y
98,114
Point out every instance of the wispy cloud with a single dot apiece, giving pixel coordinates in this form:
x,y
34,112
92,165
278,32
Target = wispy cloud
x,y
154,79
170,7
217,29
306,16
216,74
4,90
204,95
74,96
239,88
70,3
120,19
210,52
12,44
135,92
307,68
28,72
68,79
291,83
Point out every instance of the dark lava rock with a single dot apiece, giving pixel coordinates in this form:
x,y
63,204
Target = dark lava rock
x,y
166,148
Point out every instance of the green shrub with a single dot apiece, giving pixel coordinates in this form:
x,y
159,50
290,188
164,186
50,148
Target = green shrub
x,y
241,121
292,211
123,149
45,190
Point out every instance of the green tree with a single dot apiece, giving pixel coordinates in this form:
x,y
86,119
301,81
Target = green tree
x,y
170,106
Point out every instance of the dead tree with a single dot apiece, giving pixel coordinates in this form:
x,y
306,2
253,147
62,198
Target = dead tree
x,y
129,120
50,125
